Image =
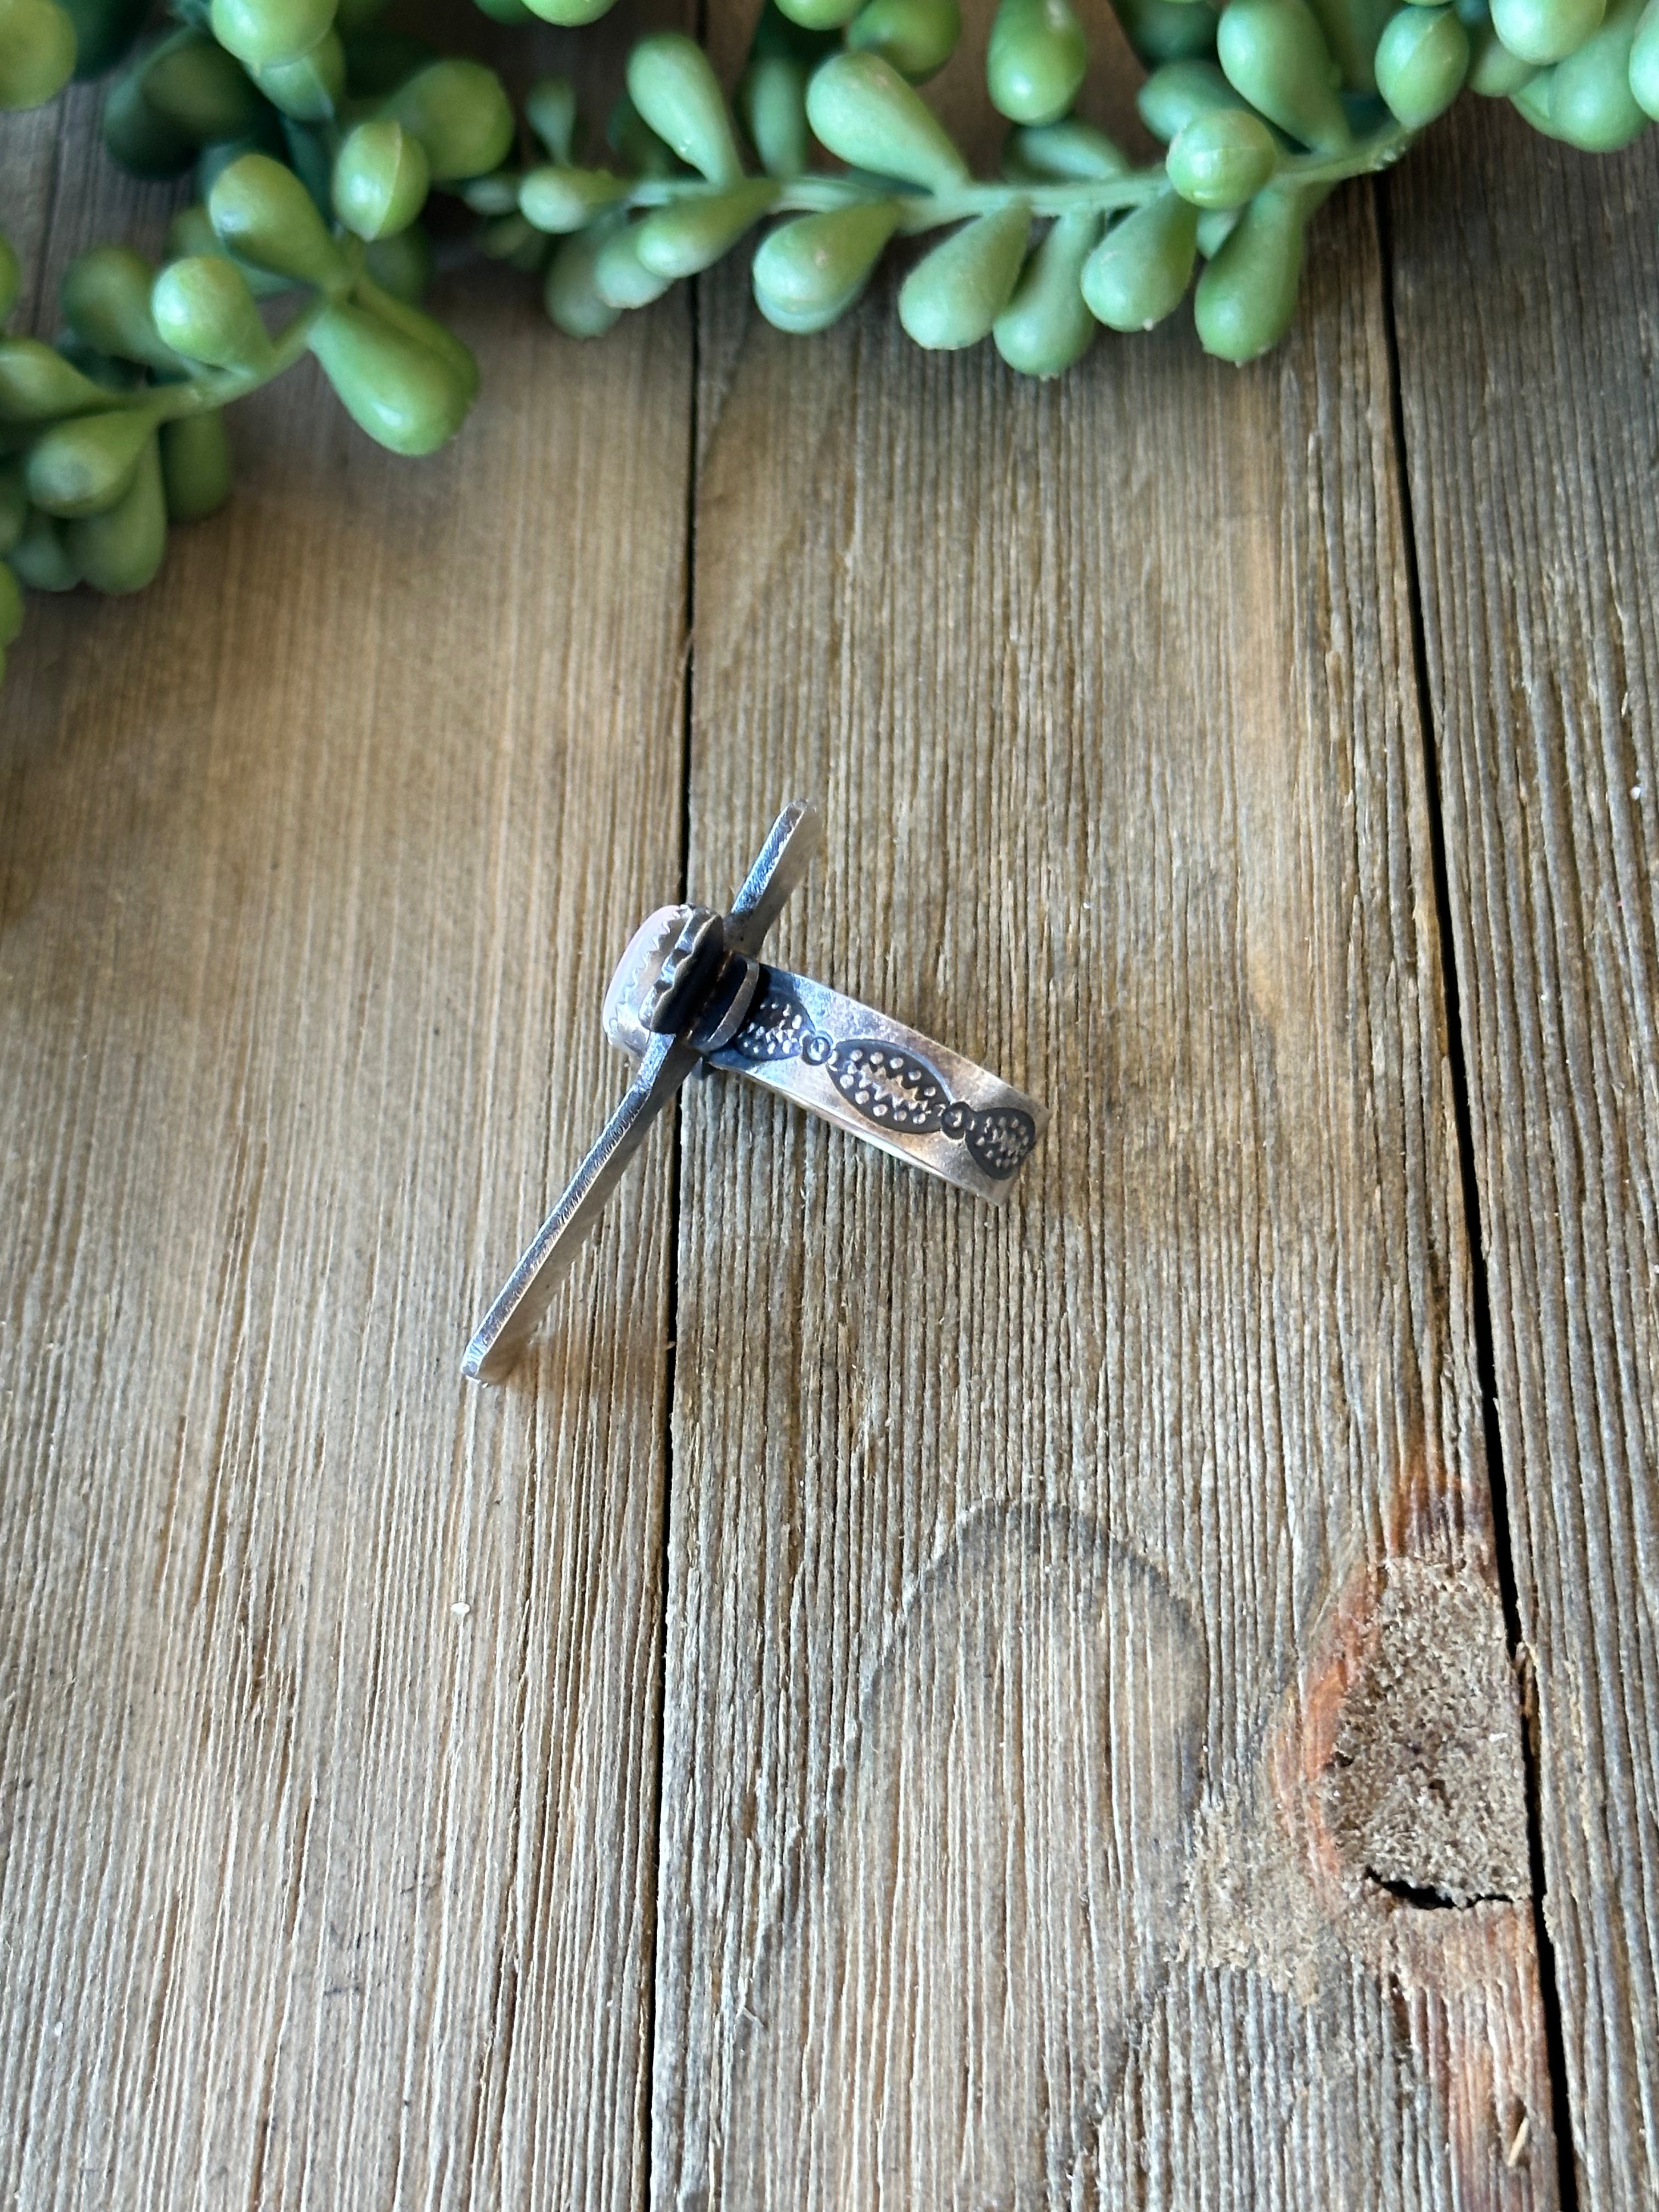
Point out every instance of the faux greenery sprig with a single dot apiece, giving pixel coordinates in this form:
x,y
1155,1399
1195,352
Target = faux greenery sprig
x,y
317,136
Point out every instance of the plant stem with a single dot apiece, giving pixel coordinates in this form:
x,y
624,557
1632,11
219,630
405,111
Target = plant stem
x,y
817,194
166,402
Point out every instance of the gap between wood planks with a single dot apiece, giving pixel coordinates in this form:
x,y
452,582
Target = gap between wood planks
x,y
675,1142
1481,1299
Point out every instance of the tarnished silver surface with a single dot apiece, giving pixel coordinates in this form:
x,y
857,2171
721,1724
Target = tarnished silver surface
x,y
523,1300
872,1076
689,990
856,1067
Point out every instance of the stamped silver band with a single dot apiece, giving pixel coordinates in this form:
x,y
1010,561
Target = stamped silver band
x,y
856,1066
690,991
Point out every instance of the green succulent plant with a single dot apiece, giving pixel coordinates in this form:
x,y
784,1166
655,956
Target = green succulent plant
x,y
315,136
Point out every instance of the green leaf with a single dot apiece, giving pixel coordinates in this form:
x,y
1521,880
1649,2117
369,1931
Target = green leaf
x,y
460,114
677,95
204,310
260,32
261,213
1173,95
402,391
120,550
36,384
918,37
569,294
620,277
37,52
549,109
569,13
380,179
772,99
1273,53
819,14
1070,152
1036,60
952,298
1246,298
1140,271
679,241
1545,31
41,557
1223,159
808,272
195,465
1592,98
84,464
1645,61
1047,325
311,88
865,113
195,86
559,199
106,299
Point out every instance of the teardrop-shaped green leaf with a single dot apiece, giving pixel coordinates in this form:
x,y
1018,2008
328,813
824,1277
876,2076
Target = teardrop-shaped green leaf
x,y
1645,61
1034,65
405,394
204,310
1223,159
36,384
259,31
1173,95
1246,298
679,241
620,277
106,299
195,465
808,272
952,298
120,550
461,115
772,99
558,198
1545,31
84,465
1274,52
864,113
671,83
1140,271
1592,99
1422,59
1070,152
263,214
1047,325
569,293
918,37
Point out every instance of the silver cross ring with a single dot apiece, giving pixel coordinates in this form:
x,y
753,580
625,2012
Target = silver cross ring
x,y
692,992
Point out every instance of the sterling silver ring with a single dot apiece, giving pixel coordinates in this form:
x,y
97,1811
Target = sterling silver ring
x,y
690,991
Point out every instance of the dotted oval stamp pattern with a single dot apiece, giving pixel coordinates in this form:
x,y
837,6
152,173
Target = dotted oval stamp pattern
x,y
892,1088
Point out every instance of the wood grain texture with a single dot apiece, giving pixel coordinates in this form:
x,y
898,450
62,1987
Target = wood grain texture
x,y
1091,1765
329,1724
1532,431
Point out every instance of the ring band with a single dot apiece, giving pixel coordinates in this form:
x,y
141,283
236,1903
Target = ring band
x,y
855,1065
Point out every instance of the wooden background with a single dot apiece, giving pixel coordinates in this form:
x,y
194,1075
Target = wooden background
x,y
1147,1698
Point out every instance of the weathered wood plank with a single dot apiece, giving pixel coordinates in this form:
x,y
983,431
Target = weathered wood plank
x,y
1532,425
329,1726
1085,1671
